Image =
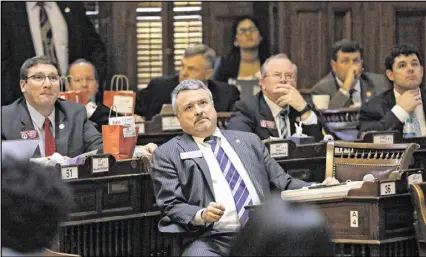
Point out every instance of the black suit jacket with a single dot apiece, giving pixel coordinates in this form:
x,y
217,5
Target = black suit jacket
x,y
17,44
376,115
247,116
150,100
74,137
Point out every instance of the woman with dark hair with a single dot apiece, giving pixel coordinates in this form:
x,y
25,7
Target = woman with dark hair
x,y
279,228
249,52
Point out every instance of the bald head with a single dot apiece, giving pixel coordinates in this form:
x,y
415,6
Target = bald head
x,y
83,78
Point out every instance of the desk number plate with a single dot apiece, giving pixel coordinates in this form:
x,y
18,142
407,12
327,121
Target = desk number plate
x,y
100,165
383,139
278,150
387,188
415,178
354,219
69,172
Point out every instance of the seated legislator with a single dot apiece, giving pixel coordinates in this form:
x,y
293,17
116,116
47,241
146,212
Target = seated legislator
x,y
402,108
197,63
348,85
274,110
34,200
203,179
61,126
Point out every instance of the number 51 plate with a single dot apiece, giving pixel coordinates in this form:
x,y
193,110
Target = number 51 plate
x,y
69,172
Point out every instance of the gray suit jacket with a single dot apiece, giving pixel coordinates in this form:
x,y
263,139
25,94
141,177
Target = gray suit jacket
x,y
183,187
76,137
372,84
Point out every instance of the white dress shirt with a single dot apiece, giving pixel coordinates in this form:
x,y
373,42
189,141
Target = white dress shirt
x,y
59,30
38,122
276,109
402,115
222,192
356,96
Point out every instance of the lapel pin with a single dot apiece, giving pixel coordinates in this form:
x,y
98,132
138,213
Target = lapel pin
x,y
67,10
237,141
368,93
61,126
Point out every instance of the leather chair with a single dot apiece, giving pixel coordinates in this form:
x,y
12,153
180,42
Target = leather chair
x,y
352,161
418,192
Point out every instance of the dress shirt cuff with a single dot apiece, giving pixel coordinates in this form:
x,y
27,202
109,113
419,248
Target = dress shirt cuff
x,y
346,93
400,113
311,120
197,220
90,109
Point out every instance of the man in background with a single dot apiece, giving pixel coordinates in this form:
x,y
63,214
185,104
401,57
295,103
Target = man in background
x,y
197,63
348,85
59,30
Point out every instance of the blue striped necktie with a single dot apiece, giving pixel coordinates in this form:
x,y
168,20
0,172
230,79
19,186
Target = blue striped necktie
x,y
236,183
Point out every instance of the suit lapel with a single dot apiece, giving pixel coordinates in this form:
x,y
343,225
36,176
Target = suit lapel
x,y
240,147
67,13
266,114
367,89
21,24
62,130
188,144
423,92
26,123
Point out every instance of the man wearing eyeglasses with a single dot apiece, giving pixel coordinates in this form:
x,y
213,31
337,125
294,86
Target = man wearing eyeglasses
x,y
274,111
60,126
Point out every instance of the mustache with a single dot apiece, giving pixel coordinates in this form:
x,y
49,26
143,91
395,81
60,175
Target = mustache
x,y
202,116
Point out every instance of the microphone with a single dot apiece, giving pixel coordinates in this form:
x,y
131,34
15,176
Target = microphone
x,y
328,137
369,177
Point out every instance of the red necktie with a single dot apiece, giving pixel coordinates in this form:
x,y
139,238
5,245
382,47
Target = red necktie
x,y
49,140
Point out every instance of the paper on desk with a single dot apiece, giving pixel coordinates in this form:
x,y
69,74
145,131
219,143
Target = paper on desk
x,y
78,159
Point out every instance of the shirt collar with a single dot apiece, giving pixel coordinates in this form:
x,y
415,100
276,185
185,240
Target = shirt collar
x,y
38,118
275,108
357,86
32,5
200,140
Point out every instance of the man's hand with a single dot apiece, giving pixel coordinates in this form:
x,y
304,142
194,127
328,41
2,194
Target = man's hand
x,y
149,148
213,212
352,76
409,100
290,96
330,181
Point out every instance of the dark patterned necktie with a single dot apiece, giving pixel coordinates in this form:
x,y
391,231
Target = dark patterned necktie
x,y
236,183
46,34
283,128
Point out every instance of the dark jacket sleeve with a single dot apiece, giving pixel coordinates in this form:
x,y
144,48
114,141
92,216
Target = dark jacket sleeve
x,y
234,97
147,104
241,118
228,67
374,116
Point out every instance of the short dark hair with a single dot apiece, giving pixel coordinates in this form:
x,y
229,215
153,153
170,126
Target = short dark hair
x,y
34,199
402,49
33,61
346,46
82,60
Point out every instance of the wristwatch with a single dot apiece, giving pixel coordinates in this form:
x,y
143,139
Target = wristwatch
x,y
305,110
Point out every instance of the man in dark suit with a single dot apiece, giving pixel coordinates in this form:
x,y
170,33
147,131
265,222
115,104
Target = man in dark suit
x,y
75,37
60,126
348,85
402,108
203,178
274,111
197,63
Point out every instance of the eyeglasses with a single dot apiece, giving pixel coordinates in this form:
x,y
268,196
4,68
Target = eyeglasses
x,y
41,77
280,75
241,31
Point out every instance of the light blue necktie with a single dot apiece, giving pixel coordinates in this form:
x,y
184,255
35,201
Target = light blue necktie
x,y
416,124
236,183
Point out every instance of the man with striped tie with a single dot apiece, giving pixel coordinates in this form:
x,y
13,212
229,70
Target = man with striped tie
x,y
204,178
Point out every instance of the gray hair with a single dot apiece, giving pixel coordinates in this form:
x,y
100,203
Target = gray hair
x,y
277,56
190,84
208,53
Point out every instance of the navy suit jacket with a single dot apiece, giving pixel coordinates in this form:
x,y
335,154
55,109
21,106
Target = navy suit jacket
x,y
247,116
183,187
17,43
76,137
376,115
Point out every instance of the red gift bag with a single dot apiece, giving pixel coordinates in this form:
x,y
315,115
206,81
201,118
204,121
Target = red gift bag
x,y
124,100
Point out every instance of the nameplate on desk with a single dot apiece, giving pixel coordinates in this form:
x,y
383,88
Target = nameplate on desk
x,y
100,165
124,104
387,188
170,123
383,139
68,173
354,219
414,178
118,187
278,150
141,127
